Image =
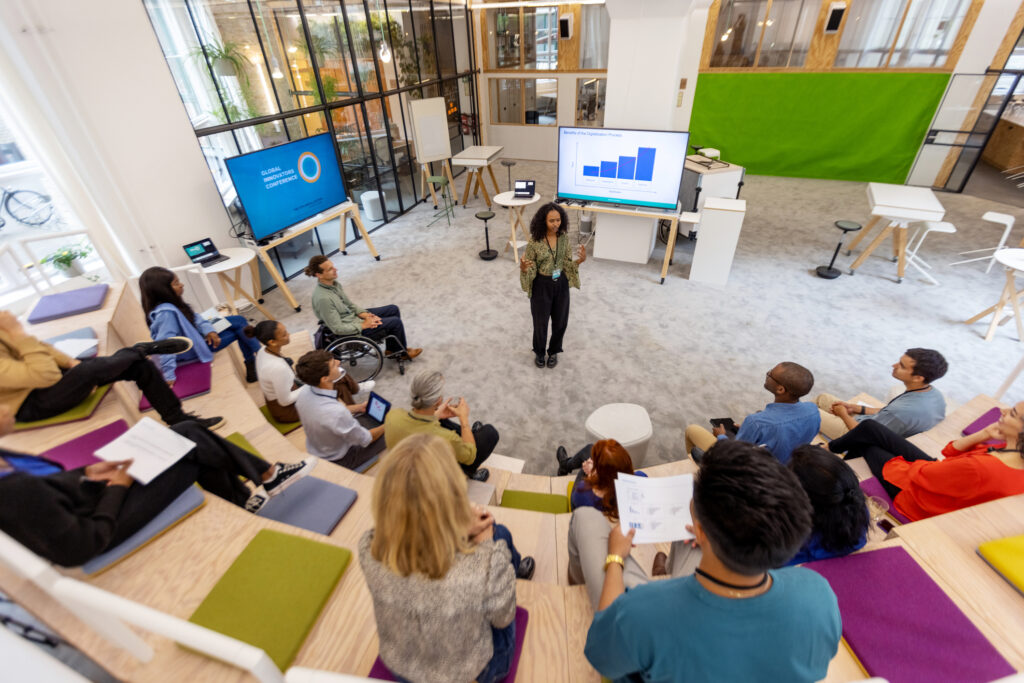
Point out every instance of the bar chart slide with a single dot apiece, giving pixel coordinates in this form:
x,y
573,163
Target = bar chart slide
x,y
638,167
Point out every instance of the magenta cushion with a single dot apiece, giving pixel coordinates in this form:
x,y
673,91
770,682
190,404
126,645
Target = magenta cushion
x,y
985,420
381,672
902,626
193,379
73,302
872,487
80,452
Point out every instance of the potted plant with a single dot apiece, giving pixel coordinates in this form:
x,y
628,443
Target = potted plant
x,y
66,259
227,59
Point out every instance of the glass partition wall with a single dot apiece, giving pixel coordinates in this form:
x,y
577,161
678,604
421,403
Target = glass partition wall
x,y
257,73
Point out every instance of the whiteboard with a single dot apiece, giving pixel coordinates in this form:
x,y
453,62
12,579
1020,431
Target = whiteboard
x,y
430,130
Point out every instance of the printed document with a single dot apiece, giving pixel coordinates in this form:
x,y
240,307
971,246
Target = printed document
x,y
152,446
657,507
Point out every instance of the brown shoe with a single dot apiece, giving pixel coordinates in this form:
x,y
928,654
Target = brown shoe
x,y
659,567
412,353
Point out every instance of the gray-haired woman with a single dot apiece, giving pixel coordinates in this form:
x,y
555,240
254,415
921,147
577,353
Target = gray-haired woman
x,y
431,413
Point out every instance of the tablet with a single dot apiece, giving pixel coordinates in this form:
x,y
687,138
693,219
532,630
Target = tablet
x,y
377,407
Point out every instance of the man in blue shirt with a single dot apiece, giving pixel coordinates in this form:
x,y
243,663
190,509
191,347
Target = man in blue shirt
x,y
780,427
736,618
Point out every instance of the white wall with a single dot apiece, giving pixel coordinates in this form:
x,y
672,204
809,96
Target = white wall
x,y
987,34
539,143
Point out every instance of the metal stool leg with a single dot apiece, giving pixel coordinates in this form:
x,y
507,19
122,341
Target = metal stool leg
x,y
488,254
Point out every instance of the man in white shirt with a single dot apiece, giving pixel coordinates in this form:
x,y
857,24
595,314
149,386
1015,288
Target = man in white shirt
x,y
332,430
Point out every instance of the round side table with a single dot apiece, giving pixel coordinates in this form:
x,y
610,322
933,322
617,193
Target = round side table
x,y
515,217
230,273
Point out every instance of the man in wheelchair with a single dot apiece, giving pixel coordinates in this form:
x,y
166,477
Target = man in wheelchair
x,y
344,318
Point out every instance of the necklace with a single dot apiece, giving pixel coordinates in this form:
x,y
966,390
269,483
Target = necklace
x,y
733,588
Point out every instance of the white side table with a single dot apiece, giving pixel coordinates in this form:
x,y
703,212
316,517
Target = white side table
x,y
515,217
230,273
1013,260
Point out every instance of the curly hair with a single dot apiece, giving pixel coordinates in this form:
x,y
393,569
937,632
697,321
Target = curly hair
x,y
539,223
155,288
840,518
609,459
312,269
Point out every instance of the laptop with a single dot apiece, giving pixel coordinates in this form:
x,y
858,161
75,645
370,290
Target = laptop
x,y
204,253
523,189
377,408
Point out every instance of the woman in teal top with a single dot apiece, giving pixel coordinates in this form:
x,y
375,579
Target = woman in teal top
x,y
547,270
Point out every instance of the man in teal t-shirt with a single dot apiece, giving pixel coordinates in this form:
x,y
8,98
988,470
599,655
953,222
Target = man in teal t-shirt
x,y
735,619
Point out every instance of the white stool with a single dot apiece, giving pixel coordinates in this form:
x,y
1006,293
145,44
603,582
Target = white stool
x,y
1013,260
627,423
371,205
929,226
993,217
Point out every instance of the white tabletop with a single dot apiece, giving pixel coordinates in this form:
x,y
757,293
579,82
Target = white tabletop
x,y
509,199
903,202
477,155
237,257
1011,258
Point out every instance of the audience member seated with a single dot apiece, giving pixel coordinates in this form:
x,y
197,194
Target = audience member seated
x,y
916,410
780,427
432,414
736,619
343,317
332,430
277,378
595,484
840,513
71,517
441,573
973,471
169,315
37,381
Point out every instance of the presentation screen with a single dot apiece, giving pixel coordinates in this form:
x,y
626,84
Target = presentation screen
x,y
283,185
637,167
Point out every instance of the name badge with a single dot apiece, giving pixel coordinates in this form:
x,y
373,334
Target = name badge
x,y
556,273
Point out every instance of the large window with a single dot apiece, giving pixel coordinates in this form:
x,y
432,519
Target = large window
x,y
522,38
532,101
254,74
763,32
590,102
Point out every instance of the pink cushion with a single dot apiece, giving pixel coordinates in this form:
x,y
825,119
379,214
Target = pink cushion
x,y
73,302
382,673
79,452
873,487
192,380
902,626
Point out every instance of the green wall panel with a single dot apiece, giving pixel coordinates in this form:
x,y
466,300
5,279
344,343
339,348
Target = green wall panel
x,y
842,126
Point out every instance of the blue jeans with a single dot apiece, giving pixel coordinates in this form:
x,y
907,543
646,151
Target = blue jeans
x,y
501,533
504,640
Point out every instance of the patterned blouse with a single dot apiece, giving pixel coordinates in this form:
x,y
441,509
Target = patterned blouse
x,y
543,262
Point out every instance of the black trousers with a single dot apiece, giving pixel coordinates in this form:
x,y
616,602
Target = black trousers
x,y
486,438
215,464
77,383
391,324
877,444
550,300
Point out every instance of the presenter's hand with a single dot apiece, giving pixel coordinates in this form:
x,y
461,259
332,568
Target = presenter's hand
x,y
582,254
525,265
618,543
213,339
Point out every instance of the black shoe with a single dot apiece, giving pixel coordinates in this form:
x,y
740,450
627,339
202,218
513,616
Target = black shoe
x,y
208,422
697,454
552,360
171,346
288,474
476,426
481,474
564,466
526,568
539,360
250,370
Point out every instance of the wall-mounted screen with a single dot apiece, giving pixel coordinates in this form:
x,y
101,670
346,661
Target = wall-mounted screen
x,y
619,166
284,185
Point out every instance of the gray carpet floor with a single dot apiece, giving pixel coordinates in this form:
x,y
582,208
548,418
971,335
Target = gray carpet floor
x,y
686,351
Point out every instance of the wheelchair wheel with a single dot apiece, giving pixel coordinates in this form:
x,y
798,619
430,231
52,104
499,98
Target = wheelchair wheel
x,y
360,358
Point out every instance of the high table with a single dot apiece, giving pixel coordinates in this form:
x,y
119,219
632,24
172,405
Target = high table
x,y
476,159
230,273
1013,259
515,217
900,205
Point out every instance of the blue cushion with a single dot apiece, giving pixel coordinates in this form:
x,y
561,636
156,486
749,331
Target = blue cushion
x,y
310,503
54,306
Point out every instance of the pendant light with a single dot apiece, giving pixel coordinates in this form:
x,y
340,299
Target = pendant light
x,y
385,51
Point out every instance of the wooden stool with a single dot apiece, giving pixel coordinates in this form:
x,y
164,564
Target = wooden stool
x,y
829,272
487,254
1013,259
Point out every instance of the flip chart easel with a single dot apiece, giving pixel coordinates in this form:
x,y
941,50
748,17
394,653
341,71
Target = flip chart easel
x,y
430,131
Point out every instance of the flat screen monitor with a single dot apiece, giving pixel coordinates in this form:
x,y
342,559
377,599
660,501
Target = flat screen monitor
x,y
620,166
284,185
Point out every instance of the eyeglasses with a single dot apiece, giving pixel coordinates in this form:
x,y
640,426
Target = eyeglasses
x,y
769,376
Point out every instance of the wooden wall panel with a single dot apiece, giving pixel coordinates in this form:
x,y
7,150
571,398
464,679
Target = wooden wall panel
x,y
821,54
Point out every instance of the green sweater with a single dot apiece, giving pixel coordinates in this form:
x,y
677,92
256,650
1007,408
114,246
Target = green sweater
x,y
336,310
543,263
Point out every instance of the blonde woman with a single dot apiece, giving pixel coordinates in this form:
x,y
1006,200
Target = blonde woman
x,y
442,574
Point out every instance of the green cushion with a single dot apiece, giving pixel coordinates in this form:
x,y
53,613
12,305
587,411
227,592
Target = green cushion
x,y
437,179
243,443
538,502
82,411
273,593
283,427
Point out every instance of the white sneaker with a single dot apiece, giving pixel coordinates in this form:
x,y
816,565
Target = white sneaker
x,y
257,500
367,386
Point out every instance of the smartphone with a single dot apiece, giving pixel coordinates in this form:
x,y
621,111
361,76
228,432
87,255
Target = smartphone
x,y
726,422
885,525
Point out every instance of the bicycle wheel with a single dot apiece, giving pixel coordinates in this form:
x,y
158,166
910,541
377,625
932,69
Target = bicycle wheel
x,y
359,357
29,207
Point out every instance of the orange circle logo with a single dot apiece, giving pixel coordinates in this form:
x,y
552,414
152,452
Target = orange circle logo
x,y
309,167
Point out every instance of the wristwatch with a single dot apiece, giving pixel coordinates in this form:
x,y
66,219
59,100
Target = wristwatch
x,y
614,558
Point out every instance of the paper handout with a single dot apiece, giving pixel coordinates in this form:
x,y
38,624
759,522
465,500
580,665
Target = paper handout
x,y
152,446
657,507
75,347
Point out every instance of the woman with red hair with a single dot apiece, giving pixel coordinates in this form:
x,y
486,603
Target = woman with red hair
x,y
595,484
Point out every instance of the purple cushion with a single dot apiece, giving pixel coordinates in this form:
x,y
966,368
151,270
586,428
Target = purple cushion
x,y
79,452
984,421
381,672
873,487
54,306
192,380
902,626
